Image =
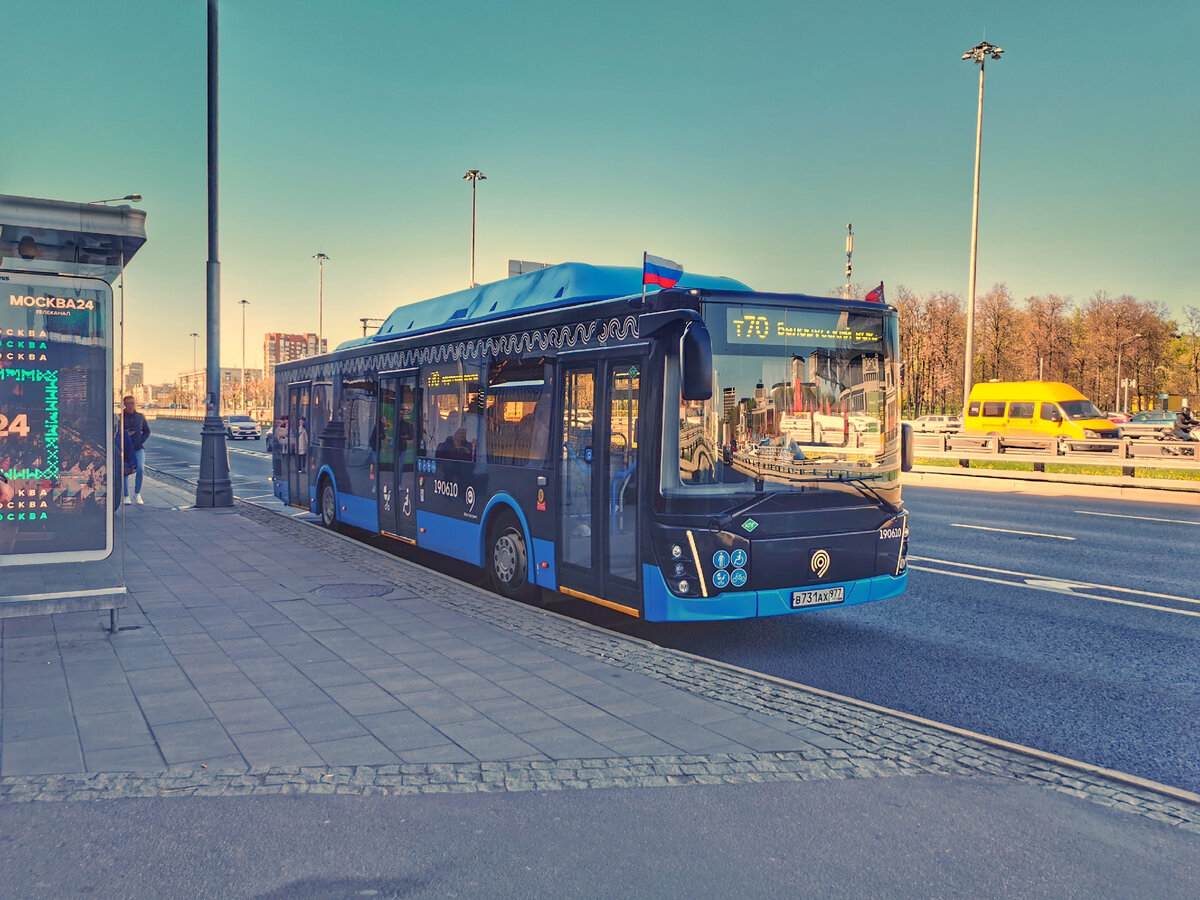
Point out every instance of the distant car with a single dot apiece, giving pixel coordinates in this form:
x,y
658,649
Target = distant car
x,y
937,424
1147,424
242,427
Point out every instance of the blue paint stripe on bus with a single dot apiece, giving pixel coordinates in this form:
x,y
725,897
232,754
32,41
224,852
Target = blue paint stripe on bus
x,y
543,552
361,512
663,606
451,537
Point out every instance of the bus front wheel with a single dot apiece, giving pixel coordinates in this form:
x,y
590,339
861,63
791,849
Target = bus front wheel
x,y
328,504
508,560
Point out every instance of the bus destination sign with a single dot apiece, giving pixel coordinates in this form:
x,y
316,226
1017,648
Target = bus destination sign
x,y
769,325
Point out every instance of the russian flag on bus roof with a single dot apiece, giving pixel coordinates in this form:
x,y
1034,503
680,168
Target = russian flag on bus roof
x,y
659,271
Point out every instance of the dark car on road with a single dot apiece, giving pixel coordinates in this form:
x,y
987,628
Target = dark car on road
x,y
1147,424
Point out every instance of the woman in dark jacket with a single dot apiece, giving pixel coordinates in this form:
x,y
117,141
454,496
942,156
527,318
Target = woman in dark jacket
x,y
133,423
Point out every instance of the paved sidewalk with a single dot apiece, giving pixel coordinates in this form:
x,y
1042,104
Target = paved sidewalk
x,y
261,655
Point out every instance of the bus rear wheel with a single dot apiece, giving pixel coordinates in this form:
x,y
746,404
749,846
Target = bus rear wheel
x,y
328,504
508,560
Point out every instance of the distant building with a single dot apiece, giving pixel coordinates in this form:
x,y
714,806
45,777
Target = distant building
x,y
280,348
195,383
134,375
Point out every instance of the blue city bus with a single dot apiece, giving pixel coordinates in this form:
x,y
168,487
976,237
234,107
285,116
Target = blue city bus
x,y
699,452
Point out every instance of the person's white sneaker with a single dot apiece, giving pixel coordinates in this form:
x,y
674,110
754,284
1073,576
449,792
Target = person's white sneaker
x,y
128,500
137,498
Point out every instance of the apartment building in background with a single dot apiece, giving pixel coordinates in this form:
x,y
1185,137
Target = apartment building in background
x,y
280,348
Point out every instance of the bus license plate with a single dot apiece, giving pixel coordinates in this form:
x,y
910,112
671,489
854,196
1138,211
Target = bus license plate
x,y
818,597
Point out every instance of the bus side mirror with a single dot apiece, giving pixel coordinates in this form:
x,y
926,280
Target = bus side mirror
x,y
906,448
695,363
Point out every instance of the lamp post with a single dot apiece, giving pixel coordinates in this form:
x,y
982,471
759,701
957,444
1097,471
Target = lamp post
x,y
320,258
849,253
213,487
474,176
192,380
1120,347
979,54
243,304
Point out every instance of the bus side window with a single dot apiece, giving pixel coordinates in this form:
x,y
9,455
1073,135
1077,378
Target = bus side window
x,y
993,409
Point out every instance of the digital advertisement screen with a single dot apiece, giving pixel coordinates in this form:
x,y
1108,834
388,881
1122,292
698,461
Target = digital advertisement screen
x,y
56,419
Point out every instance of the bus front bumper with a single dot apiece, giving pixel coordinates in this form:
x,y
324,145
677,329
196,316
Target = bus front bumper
x,y
664,606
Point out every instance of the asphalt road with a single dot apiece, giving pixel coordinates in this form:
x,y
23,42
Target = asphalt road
x,y
885,837
1067,624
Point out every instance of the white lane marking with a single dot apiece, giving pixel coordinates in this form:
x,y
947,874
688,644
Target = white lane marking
x,y
1030,576
1084,512
1058,537
256,453
1042,586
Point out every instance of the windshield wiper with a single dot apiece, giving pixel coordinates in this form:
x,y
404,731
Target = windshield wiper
x,y
725,519
863,487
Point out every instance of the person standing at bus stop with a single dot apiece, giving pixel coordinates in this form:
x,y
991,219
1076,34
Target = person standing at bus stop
x,y
134,425
302,443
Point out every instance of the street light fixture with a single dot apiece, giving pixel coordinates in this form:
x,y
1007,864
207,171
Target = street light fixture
x,y
320,258
244,304
1120,347
980,53
474,176
135,198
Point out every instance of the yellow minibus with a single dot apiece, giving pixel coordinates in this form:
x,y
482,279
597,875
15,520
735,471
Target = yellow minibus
x,y
1036,411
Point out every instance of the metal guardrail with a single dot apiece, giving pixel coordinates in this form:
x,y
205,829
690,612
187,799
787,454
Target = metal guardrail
x,y
1128,453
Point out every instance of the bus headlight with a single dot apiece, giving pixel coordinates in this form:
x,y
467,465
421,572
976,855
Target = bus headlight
x,y
676,552
684,586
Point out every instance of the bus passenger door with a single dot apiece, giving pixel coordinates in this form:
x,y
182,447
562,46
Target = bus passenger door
x,y
398,456
297,465
598,483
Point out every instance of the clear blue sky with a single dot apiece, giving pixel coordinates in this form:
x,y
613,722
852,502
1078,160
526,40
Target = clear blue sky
x,y
738,139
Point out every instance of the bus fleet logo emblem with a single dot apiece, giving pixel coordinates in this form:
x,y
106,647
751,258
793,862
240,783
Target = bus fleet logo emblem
x,y
820,563
749,525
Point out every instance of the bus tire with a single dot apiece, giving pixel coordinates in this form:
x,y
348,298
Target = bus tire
x,y
508,559
328,504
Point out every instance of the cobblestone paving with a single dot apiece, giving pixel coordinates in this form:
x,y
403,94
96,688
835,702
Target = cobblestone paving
x,y
881,744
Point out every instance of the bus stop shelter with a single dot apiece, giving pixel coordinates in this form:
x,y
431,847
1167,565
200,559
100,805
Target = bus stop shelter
x,y
61,534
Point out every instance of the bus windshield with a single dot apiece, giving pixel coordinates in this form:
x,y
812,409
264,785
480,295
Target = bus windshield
x,y
803,399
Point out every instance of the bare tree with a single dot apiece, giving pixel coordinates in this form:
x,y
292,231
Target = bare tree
x,y
996,324
1047,337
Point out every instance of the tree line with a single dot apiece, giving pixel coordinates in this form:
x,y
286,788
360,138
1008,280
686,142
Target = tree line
x,y
1046,338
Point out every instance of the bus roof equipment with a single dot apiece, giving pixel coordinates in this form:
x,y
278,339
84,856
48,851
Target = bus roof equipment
x,y
566,284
